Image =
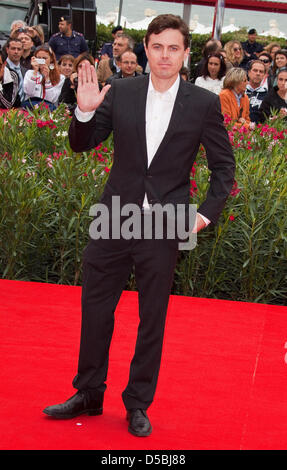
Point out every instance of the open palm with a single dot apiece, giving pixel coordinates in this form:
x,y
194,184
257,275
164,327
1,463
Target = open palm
x,y
89,97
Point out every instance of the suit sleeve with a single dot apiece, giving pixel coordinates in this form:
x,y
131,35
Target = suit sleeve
x,y
220,160
84,136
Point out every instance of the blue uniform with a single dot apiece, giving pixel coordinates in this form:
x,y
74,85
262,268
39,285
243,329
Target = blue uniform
x,y
74,45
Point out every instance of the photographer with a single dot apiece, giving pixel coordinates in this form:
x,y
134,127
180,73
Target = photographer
x,y
44,82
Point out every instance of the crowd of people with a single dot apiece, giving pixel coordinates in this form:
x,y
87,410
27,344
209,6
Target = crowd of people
x,y
250,80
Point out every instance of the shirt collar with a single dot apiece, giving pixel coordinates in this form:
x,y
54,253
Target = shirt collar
x,y
12,65
238,95
259,88
170,93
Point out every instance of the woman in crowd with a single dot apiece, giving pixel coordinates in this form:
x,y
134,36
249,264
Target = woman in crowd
x,y
8,87
271,48
44,82
267,61
280,60
276,98
234,53
213,73
38,35
65,64
69,89
234,101
212,45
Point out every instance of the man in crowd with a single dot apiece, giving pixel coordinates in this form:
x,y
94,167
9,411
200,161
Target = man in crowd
x,y
159,122
108,67
14,49
251,48
128,64
107,49
67,41
254,89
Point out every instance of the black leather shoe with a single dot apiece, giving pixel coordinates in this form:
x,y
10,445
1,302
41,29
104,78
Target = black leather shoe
x,y
83,402
139,424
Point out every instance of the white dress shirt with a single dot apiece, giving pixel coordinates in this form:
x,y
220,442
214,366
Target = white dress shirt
x,y
159,107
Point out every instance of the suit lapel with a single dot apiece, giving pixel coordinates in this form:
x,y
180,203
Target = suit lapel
x,y
140,103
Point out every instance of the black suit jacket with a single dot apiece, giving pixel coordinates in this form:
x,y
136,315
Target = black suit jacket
x,y
196,118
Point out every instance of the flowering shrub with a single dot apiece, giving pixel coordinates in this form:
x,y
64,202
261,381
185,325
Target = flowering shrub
x,y
243,257
46,193
47,190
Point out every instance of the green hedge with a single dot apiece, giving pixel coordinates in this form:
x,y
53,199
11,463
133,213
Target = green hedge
x,y
47,190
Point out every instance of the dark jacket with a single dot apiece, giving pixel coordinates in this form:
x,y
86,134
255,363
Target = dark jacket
x,y
256,97
68,95
196,118
118,75
9,92
272,101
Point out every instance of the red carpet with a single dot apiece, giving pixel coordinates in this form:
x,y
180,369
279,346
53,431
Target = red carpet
x,y
222,385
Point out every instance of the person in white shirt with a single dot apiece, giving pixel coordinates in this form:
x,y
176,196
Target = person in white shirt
x,y
44,81
213,73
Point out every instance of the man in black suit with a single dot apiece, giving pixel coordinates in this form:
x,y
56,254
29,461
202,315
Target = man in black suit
x,y
158,123
14,49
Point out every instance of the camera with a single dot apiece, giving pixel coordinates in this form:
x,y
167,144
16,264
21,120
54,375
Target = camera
x,y
40,61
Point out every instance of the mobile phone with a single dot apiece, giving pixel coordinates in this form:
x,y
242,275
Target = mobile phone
x,y
40,61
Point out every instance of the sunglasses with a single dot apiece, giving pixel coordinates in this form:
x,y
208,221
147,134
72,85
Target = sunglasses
x,y
237,49
266,61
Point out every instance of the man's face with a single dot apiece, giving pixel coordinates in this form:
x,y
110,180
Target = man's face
x,y
256,74
26,40
120,45
14,51
63,27
252,37
166,53
128,64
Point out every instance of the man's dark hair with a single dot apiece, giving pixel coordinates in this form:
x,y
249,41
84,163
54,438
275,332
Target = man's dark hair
x,y
131,42
168,21
116,29
210,46
12,40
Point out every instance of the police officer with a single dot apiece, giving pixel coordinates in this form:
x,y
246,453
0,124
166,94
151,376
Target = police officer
x,y
67,41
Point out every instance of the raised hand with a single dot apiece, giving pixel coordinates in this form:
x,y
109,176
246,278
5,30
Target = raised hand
x,y
89,97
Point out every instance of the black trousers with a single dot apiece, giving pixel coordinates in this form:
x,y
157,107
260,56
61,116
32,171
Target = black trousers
x,y
106,267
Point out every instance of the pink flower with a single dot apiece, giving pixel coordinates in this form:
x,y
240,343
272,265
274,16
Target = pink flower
x,y
235,190
231,217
